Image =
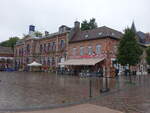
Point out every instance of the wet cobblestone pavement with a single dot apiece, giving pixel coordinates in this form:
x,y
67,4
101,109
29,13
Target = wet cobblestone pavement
x,y
135,99
29,90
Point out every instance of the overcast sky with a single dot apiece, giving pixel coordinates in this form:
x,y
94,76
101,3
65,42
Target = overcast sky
x,y
17,15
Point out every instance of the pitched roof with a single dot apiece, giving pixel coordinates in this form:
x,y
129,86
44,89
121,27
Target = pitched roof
x,y
6,50
97,33
144,37
141,34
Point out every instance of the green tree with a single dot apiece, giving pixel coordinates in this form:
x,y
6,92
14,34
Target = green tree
x,y
25,36
85,25
129,51
10,43
148,55
38,34
92,23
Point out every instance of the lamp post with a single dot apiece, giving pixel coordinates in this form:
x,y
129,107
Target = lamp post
x,y
90,88
106,89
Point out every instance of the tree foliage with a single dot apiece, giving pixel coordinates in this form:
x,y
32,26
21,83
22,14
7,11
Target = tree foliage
x,y
85,25
148,55
9,43
38,34
129,51
34,34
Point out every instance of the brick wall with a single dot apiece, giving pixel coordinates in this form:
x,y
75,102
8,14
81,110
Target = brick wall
x,y
34,52
107,44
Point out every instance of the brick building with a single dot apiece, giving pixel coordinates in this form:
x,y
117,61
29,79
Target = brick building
x,y
95,48
6,57
144,41
47,50
73,48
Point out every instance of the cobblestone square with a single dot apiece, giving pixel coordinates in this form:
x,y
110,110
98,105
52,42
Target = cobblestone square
x,y
20,90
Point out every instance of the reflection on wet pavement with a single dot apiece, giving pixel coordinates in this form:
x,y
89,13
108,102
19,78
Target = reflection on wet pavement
x,y
135,99
27,90
23,90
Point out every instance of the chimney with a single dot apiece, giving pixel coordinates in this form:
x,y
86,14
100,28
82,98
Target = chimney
x,y
77,24
31,29
46,33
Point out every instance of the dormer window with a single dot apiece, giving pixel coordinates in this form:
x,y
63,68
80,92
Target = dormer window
x,y
100,33
86,36
113,34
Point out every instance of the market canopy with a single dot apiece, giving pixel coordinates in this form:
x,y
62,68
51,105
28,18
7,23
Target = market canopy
x,y
7,58
35,64
78,62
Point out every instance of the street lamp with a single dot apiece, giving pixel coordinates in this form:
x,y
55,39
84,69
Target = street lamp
x,y
106,89
90,88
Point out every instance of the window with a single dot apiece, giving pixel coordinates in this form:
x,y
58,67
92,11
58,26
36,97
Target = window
x,y
113,34
22,51
62,43
41,48
100,33
81,51
27,60
90,50
19,52
49,45
98,49
44,47
115,49
54,46
28,48
86,36
74,51
40,60
49,61
44,61
53,61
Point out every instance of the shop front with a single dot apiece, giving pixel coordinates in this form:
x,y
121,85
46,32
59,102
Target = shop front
x,y
6,63
85,66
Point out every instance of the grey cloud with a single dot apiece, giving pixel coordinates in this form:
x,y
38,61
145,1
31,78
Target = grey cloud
x,y
16,15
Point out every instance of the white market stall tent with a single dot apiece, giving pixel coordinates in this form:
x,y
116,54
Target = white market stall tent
x,y
35,66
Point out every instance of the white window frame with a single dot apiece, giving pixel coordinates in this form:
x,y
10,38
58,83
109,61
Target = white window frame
x,y
98,49
74,51
81,51
90,50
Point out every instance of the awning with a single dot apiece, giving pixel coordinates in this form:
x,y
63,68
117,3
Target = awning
x,y
7,58
77,62
35,64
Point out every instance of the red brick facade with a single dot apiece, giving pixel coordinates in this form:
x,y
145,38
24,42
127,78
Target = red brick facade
x,y
108,49
50,50
6,58
47,51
